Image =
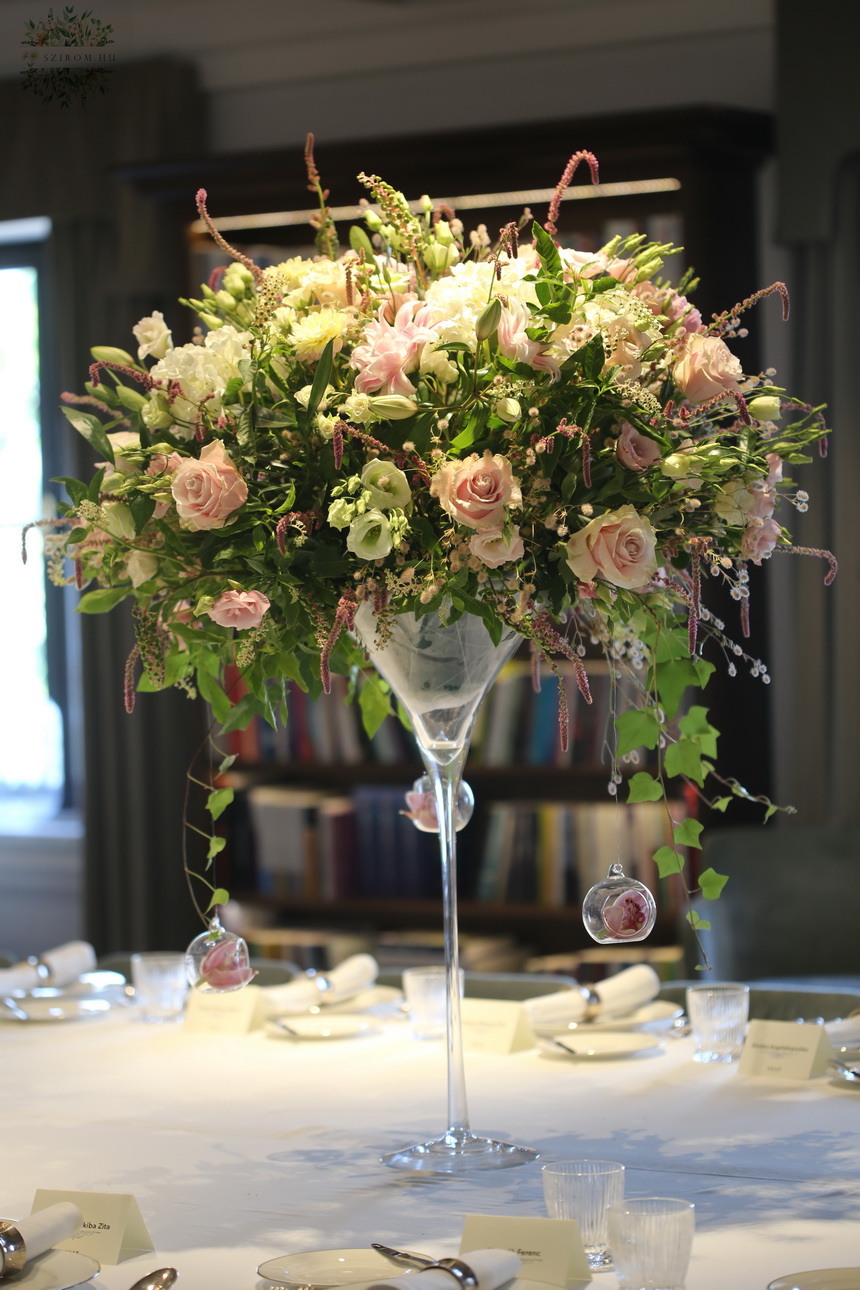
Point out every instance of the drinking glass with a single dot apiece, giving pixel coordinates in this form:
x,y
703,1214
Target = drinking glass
x,y
718,1015
582,1190
426,991
651,1238
160,985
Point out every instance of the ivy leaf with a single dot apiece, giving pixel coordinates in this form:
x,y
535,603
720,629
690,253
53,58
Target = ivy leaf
x,y
698,924
375,704
686,834
637,728
668,861
711,883
644,788
695,726
226,763
218,801
216,845
219,896
685,758
720,804
674,676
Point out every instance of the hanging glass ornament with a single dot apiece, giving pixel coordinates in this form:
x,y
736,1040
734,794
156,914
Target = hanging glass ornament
x,y
421,802
217,961
618,909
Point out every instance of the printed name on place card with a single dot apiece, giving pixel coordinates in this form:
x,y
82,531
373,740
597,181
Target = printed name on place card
x,y
785,1050
495,1026
551,1249
234,1012
113,1228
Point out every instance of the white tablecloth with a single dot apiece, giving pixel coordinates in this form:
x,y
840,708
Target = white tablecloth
x,y
238,1149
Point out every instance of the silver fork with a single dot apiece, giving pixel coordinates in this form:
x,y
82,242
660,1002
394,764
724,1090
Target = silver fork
x,y
457,1267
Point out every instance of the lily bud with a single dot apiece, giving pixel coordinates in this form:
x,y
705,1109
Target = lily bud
x,y
393,407
508,409
488,319
765,407
107,354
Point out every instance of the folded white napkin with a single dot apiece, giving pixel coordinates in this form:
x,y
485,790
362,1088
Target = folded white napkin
x,y
46,1228
347,979
617,995
491,1267
65,964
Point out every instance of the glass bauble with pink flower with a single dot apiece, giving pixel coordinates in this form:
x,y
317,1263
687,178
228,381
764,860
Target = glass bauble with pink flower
x,y
618,909
217,961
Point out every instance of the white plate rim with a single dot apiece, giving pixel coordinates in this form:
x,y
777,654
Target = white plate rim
x,y
644,1018
793,1281
357,1026
56,1008
385,1264
32,1279
636,1042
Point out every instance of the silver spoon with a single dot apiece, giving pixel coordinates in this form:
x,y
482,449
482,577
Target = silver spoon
x,y
158,1280
458,1269
12,1007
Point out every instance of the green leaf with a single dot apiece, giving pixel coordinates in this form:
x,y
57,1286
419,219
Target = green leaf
x,y
720,804
91,429
668,861
214,695
141,507
102,600
218,801
547,250
231,389
695,726
75,489
375,704
226,763
644,788
711,883
686,834
637,728
321,380
674,676
359,241
698,924
685,758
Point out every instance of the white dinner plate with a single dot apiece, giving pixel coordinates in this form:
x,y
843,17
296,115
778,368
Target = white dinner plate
x,y
657,1016
53,1005
819,1279
330,1025
56,1270
331,1269
606,1044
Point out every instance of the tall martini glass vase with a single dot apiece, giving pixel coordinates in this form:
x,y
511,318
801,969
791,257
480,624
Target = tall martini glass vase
x,y
441,674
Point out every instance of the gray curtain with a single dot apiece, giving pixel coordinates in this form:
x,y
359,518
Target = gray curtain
x,y
815,629
111,259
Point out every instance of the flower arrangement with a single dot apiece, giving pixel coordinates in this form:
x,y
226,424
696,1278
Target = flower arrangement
x,y
438,420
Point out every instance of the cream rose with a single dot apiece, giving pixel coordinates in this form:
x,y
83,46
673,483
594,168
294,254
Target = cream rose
x,y
706,367
208,490
492,549
239,609
477,490
618,546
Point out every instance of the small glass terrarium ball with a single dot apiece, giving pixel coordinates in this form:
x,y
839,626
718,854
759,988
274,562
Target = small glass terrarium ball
x,y
218,961
618,909
421,806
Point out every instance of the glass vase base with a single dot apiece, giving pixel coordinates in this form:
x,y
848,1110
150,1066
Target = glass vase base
x,y
459,1153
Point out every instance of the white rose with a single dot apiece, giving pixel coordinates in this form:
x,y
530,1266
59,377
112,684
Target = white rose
x,y
369,537
153,336
492,549
303,397
358,407
387,485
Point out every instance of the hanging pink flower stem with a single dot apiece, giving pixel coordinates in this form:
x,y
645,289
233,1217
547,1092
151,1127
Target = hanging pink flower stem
x,y
564,183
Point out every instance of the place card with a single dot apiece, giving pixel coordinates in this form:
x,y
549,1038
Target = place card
x,y
234,1012
551,1249
112,1230
495,1026
785,1050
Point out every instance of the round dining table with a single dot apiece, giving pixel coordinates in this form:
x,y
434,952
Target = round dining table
x,y
239,1148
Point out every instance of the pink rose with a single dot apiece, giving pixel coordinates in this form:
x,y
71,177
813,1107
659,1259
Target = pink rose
x,y
226,966
618,546
477,490
627,915
706,367
491,547
634,450
239,609
759,540
207,490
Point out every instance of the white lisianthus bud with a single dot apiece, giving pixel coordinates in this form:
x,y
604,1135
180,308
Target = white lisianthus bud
x,y
153,337
238,281
212,321
369,537
326,423
387,485
508,409
141,566
224,299
341,513
679,465
372,220
156,415
765,407
442,230
393,407
426,203
118,520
